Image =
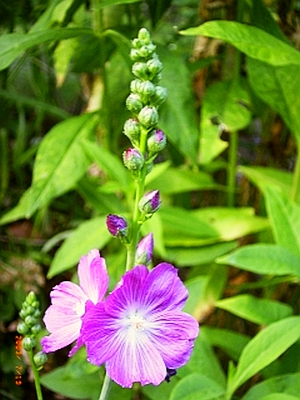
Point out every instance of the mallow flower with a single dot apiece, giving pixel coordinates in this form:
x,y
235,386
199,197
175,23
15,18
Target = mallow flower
x,y
140,332
68,300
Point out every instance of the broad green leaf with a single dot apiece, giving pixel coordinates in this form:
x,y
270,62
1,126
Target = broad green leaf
x,y
264,348
279,396
278,87
204,361
204,291
209,225
91,234
259,311
231,342
284,216
288,384
254,42
176,180
224,107
196,386
161,391
110,163
60,162
181,128
12,45
268,259
264,176
193,256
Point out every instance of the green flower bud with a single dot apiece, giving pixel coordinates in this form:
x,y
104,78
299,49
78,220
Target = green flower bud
x,y
137,43
156,141
134,103
135,86
40,359
22,328
154,67
28,343
30,320
37,313
159,96
140,70
135,55
144,36
148,116
31,298
132,129
133,159
147,89
36,329
23,314
29,310
147,51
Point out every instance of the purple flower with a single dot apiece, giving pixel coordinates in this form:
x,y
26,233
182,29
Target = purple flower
x,y
144,250
63,317
140,331
116,225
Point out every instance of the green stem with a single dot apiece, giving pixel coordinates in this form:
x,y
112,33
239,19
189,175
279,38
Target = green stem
x,y
295,192
140,186
105,388
232,165
36,376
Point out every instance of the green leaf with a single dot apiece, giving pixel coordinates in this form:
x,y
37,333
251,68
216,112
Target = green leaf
x,y
259,311
204,361
12,45
264,348
268,259
254,42
288,384
92,234
176,180
284,216
278,87
279,396
231,342
105,3
193,256
110,163
226,104
181,128
195,387
264,176
59,164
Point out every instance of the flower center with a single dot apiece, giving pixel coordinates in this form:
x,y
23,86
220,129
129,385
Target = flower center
x,y
136,322
79,308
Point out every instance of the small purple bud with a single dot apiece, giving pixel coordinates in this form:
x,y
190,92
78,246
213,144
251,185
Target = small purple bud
x,y
116,225
156,141
144,250
148,116
133,159
150,202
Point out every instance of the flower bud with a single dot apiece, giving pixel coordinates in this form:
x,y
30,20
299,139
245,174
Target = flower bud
x,y
23,314
40,359
150,202
30,320
160,95
156,141
144,36
28,343
22,328
30,298
148,116
133,159
135,55
154,66
144,250
137,43
134,103
135,86
147,51
132,129
36,329
140,70
116,225
147,89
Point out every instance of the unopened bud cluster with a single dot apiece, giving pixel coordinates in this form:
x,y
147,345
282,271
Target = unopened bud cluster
x,y
144,100
30,327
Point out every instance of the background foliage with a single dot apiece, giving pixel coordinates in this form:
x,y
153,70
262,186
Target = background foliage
x,y
229,179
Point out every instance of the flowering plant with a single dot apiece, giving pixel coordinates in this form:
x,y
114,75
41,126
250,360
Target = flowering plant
x,y
139,330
